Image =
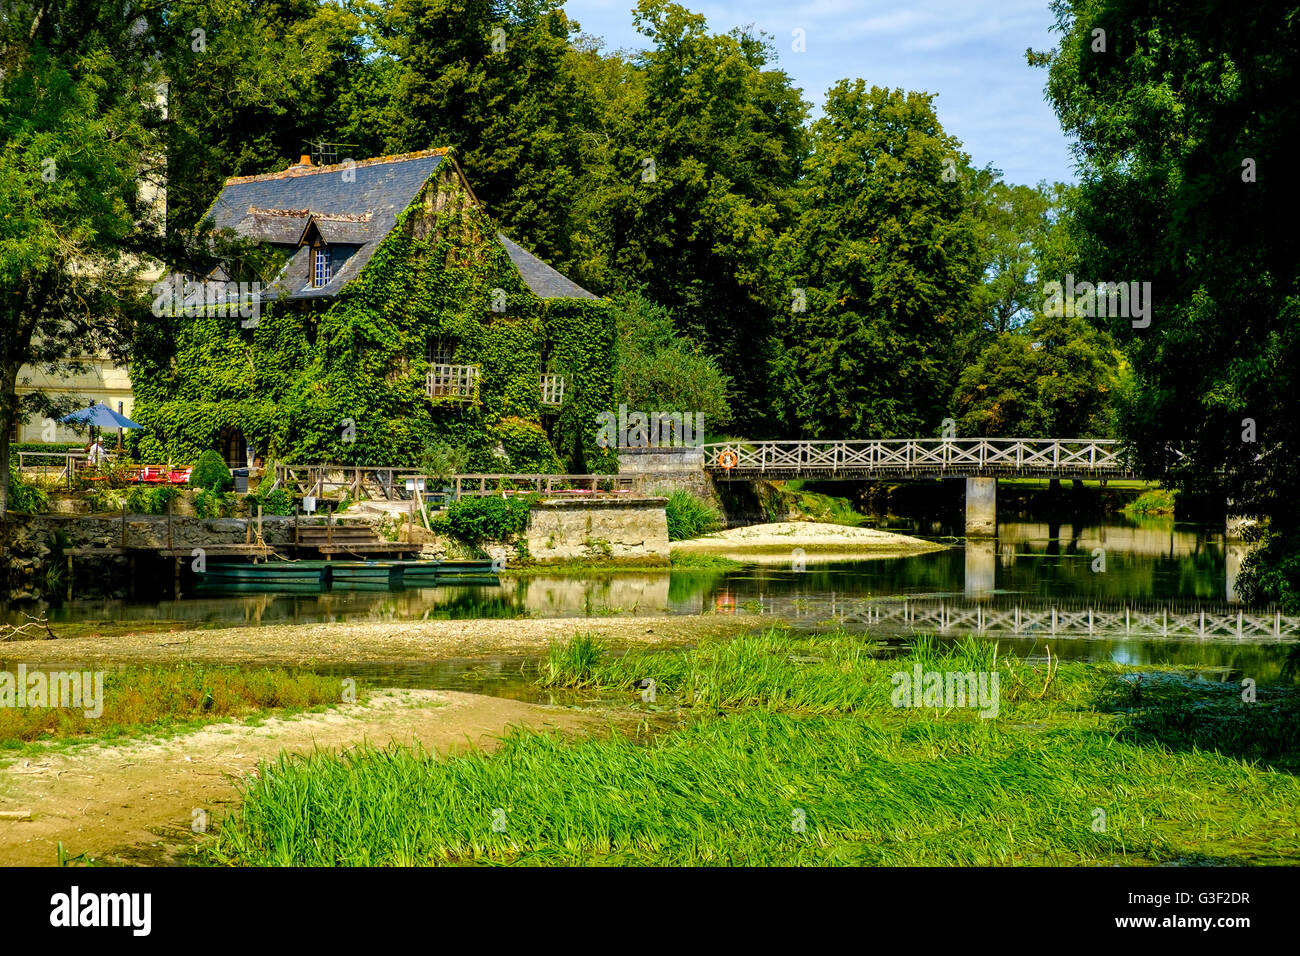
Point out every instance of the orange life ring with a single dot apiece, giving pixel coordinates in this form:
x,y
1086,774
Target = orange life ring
x,y
728,459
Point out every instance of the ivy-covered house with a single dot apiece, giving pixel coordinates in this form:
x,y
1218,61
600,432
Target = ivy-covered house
x,y
393,317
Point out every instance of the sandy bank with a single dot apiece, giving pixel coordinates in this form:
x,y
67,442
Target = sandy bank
x,y
363,641
138,801
780,538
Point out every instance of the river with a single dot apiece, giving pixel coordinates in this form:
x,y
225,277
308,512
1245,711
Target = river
x,y
1133,592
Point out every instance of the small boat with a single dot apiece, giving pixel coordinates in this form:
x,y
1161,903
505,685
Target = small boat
x,y
316,575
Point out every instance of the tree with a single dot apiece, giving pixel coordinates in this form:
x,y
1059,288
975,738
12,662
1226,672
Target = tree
x,y
880,268
250,85
78,122
1184,118
659,370
1013,224
692,184
1056,378
493,79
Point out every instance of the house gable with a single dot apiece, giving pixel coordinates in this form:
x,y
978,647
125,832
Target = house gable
x,y
354,206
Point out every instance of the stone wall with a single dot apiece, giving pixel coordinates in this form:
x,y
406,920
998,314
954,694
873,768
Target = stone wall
x,y
626,528
665,470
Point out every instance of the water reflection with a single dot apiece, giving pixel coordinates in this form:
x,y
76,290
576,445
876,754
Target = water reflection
x,y
1119,588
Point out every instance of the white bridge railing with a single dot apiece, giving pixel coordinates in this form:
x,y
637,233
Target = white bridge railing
x,y
1033,619
1056,457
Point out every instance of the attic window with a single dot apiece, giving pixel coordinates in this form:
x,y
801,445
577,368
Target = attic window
x,y
321,273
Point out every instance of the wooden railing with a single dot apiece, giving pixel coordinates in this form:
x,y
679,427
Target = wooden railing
x,y
405,484
1051,457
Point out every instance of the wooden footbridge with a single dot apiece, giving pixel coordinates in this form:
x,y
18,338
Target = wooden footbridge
x,y
1095,458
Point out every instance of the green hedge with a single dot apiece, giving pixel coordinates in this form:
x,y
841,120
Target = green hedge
x,y
56,448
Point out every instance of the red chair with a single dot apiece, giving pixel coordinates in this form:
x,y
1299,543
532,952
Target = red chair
x,y
180,476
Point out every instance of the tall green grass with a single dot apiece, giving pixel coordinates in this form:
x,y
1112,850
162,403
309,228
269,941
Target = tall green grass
x,y
154,699
775,670
690,517
736,791
793,754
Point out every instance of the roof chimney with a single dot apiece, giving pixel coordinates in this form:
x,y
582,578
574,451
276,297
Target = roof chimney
x,y
305,160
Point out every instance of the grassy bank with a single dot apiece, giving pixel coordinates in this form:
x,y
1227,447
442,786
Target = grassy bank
x,y
151,700
794,753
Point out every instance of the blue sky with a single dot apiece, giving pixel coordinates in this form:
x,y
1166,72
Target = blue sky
x,y
971,53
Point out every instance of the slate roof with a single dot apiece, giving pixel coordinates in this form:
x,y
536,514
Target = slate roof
x,y
545,282
278,207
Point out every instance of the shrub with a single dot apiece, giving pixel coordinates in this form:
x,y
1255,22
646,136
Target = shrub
x,y
484,519
440,460
210,471
277,502
213,504
689,517
26,497
1157,501
142,500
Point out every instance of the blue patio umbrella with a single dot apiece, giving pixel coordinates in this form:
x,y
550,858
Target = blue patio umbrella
x,y
101,416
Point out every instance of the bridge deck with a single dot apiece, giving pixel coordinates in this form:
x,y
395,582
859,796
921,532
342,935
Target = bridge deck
x,y
919,457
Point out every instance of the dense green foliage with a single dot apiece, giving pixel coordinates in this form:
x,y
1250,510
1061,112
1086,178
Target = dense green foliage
x,y
210,472
347,383
277,502
1183,125
486,518
1056,376
660,370
879,269
74,133
24,496
213,504
149,499
689,517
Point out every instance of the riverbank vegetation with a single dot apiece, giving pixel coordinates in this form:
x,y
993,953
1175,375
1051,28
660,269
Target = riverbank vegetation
x,y
140,700
1157,501
690,517
778,748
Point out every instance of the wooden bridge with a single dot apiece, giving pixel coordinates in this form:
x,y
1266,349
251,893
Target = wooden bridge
x,y
1095,458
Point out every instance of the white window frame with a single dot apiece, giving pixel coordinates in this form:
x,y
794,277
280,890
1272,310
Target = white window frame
x,y
320,276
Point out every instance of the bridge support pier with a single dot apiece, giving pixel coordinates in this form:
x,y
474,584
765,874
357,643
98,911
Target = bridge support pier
x,y
981,507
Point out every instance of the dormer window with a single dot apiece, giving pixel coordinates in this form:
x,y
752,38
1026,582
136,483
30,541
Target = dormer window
x,y
320,275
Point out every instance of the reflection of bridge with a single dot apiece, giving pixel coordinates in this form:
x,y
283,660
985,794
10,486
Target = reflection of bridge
x,y
1019,618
